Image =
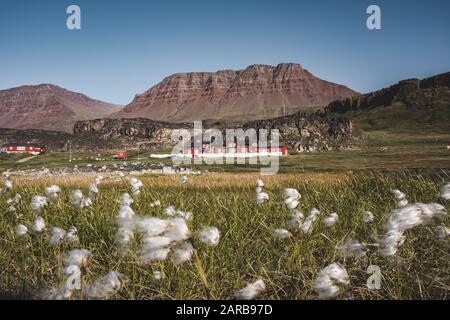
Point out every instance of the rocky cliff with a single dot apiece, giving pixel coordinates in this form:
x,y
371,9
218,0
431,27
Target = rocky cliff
x,y
412,92
258,92
309,132
48,107
131,133
301,131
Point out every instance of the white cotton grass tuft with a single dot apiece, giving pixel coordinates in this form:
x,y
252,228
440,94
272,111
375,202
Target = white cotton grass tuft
x,y
291,193
261,197
251,290
401,198
79,201
281,234
326,285
210,236
331,219
156,203
308,223
8,184
57,236
125,213
296,220
152,226
367,217
98,179
124,236
39,225
398,194
291,197
406,218
158,275
21,230
178,230
71,235
126,200
77,257
352,249
445,194
182,253
93,191
186,215
126,218
184,179
170,211
68,270
38,203
136,186
163,236
259,183
155,249
16,200
402,203
106,287
153,255
52,192
158,242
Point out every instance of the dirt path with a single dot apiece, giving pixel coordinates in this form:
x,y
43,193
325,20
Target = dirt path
x,y
25,159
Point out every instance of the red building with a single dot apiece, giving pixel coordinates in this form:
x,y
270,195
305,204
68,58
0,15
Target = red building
x,y
233,149
121,154
31,148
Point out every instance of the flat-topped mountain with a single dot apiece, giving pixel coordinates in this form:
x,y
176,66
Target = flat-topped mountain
x,y
258,92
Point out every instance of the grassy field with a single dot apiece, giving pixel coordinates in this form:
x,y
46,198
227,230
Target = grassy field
x,y
247,249
382,151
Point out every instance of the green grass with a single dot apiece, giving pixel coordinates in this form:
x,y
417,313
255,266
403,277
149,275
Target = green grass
x,y
382,150
247,249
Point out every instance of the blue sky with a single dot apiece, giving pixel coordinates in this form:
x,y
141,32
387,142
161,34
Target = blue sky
x,y
125,47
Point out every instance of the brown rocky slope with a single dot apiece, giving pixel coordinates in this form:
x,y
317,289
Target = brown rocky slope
x,y
258,92
414,93
48,107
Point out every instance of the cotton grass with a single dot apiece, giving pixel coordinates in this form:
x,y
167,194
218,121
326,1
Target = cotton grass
x,y
251,290
328,282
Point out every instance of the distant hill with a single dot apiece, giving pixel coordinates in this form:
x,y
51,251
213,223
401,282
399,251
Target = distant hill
x,y
411,104
48,107
258,92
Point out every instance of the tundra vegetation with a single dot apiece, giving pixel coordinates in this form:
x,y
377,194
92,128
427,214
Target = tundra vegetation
x,y
225,236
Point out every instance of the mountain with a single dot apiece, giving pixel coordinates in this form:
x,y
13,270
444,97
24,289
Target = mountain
x,y
258,92
411,104
48,107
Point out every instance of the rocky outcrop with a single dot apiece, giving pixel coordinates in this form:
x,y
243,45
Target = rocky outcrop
x,y
48,107
132,133
258,92
304,132
411,92
301,131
